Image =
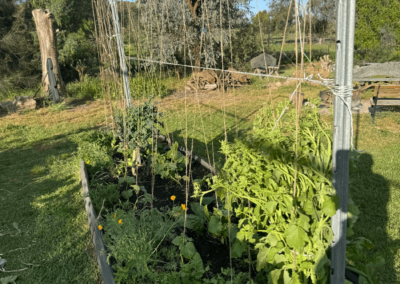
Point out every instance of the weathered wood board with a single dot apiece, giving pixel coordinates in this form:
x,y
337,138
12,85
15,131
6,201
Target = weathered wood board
x,y
105,268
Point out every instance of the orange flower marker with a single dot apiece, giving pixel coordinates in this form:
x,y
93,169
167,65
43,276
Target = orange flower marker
x,y
120,221
100,227
173,197
183,206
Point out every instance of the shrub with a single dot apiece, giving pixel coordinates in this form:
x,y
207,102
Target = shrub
x,y
88,88
142,87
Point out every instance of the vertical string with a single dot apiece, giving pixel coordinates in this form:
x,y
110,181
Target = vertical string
x,y
297,126
309,18
284,34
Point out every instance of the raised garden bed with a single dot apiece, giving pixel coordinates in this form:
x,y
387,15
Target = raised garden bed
x,y
162,223
212,251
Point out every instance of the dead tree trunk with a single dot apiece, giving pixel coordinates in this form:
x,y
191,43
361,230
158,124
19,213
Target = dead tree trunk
x,y
46,31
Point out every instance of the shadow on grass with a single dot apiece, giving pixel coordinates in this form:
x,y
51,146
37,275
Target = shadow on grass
x,y
371,193
49,210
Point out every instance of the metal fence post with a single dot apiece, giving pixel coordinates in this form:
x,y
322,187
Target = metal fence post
x,y
121,53
345,22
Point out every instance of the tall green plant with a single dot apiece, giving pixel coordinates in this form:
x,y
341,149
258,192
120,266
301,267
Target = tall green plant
x,y
289,228
136,126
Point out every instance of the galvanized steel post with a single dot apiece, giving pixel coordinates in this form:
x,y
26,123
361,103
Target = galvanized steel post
x,y
345,22
121,52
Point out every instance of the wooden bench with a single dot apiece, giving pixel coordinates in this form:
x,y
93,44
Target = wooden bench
x,y
376,101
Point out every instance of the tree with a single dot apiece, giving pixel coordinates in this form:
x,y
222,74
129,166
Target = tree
x,y
375,22
19,64
75,40
45,27
278,12
192,28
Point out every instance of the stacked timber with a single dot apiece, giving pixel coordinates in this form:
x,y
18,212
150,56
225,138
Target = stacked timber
x,y
211,80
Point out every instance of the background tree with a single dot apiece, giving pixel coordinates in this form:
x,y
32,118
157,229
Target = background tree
x,y
46,32
19,48
191,29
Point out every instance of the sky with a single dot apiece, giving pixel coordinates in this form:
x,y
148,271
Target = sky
x,y
261,4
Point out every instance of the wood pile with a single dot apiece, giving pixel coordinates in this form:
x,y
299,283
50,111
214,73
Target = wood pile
x,y
326,63
211,80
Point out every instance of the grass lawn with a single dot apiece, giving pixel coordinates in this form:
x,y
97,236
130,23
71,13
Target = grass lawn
x,y
44,231
44,225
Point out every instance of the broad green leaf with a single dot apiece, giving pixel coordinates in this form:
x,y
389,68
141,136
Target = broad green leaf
x,y
262,258
286,277
238,248
127,194
207,200
306,265
198,210
271,255
303,222
271,205
271,239
180,240
233,232
309,207
187,250
129,180
215,227
330,205
296,237
195,223
279,258
274,275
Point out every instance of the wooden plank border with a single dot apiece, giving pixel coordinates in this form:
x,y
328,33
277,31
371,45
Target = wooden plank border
x,y
105,268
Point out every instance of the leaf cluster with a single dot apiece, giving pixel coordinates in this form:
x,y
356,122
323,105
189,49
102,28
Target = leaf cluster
x,y
281,222
169,164
136,126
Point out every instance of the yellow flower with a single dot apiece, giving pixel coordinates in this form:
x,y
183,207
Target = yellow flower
x,y
115,215
100,227
183,206
120,221
88,161
173,197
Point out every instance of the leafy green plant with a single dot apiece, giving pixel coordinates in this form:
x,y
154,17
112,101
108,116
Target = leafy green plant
x,y
369,274
289,229
168,165
99,192
94,148
142,87
88,88
136,127
133,238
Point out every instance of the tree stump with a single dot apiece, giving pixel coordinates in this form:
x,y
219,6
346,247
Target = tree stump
x,y
46,31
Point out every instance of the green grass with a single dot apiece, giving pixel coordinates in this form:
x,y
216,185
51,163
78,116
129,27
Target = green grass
x,y
375,188
44,230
